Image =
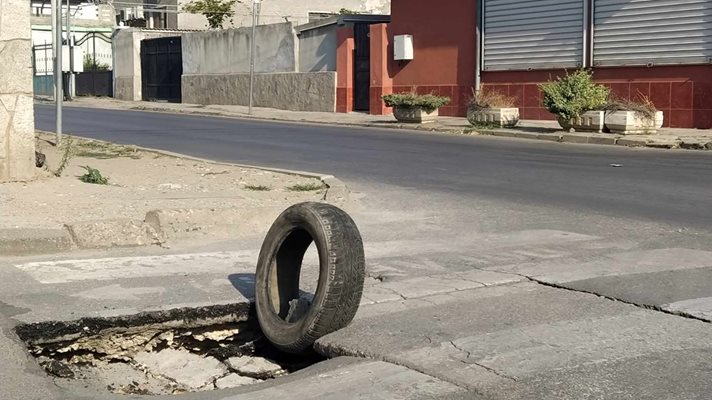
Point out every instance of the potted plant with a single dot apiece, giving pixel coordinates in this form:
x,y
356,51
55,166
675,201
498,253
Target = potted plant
x,y
627,117
492,109
576,101
415,108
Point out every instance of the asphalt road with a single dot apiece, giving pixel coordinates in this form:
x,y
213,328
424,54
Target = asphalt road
x,y
658,186
468,240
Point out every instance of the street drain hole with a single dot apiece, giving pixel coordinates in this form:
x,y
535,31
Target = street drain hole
x,y
166,352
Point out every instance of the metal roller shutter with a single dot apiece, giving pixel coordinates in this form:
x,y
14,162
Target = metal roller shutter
x,y
533,34
644,32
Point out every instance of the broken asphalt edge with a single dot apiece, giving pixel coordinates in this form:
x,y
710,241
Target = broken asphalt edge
x,y
124,232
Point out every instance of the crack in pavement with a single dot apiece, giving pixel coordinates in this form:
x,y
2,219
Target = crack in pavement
x,y
333,351
472,362
611,298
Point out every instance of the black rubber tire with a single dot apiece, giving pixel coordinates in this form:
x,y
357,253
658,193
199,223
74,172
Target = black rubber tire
x,y
341,275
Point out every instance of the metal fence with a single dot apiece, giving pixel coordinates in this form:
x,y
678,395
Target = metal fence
x,y
97,77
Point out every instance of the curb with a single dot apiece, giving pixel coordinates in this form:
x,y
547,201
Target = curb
x,y
371,125
158,226
336,189
424,128
21,241
669,142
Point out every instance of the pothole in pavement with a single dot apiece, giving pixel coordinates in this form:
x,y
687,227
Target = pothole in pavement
x,y
163,352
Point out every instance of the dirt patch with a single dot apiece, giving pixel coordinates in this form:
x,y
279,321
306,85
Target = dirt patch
x,y
139,181
174,352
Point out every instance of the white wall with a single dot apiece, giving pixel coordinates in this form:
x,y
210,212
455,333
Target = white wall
x,y
227,51
275,11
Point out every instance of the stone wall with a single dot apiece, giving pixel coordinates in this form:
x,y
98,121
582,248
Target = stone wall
x,y
314,91
17,130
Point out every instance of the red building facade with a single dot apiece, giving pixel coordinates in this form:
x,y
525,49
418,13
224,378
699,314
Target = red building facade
x,y
667,63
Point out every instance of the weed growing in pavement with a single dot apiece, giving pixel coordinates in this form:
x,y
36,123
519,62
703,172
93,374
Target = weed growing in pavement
x,y
94,176
308,187
67,155
102,150
487,125
258,188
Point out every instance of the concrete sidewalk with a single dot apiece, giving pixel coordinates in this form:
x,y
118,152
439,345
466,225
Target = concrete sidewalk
x,y
666,138
484,330
151,198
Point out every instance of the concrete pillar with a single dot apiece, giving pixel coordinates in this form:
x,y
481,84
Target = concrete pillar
x,y
17,128
345,70
381,81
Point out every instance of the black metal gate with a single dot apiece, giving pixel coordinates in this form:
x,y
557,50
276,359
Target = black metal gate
x,y
362,67
97,78
161,69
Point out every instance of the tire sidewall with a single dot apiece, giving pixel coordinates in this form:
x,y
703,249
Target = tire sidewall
x,y
283,334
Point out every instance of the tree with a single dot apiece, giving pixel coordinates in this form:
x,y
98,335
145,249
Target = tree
x,y
216,11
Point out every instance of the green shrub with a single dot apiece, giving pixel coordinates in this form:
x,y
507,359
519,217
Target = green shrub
x,y
574,94
428,102
93,176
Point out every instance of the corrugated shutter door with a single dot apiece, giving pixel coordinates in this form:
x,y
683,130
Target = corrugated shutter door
x,y
640,32
533,34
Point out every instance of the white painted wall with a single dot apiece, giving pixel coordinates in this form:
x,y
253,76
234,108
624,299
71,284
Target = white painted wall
x,y
275,11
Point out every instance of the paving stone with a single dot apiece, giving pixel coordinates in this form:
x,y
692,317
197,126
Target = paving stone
x,y
183,367
254,367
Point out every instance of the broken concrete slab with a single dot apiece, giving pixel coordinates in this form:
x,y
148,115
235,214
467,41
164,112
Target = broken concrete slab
x,y
347,378
117,378
678,291
254,367
497,340
185,368
700,308
233,381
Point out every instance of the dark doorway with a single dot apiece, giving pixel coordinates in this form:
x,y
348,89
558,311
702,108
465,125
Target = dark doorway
x,y
362,67
161,69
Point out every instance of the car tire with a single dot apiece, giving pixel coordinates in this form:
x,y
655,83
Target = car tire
x,y
341,276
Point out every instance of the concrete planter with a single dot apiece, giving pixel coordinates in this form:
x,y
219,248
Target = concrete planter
x,y
502,117
414,115
590,121
632,123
